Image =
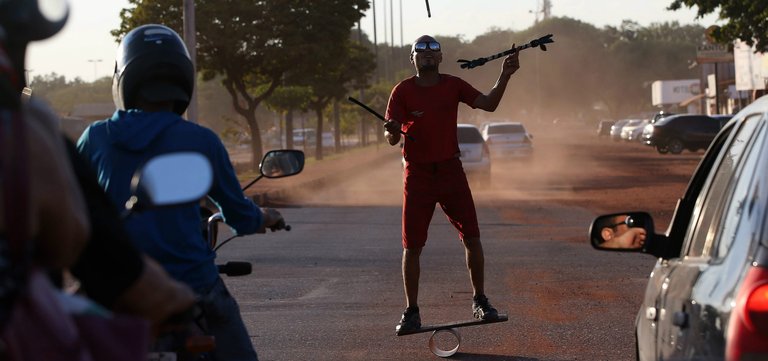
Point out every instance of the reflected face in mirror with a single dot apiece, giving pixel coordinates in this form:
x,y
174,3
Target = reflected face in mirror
x,y
620,231
281,163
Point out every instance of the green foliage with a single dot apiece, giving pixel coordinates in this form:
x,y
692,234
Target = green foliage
x,y
298,67
747,19
584,69
286,98
63,95
252,44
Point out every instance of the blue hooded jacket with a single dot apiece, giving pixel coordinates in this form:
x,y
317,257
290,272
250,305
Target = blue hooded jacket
x,y
118,146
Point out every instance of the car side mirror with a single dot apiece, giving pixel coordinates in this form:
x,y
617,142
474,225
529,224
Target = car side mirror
x,y
170,180
282,163
626,231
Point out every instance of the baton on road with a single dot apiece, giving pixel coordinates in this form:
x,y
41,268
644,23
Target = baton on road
x,y
353,100
536,43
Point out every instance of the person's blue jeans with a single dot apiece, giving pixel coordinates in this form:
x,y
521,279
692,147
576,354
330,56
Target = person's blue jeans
x,y
223,321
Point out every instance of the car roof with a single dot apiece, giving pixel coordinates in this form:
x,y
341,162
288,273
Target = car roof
x,y
671,118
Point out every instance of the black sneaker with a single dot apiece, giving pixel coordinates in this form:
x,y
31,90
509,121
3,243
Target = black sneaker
x,y
482,309
411,320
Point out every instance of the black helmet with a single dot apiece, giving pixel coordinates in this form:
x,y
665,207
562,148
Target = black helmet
x,y
153,63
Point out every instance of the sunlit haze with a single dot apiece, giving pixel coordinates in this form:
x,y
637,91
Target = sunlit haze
x,y
85,49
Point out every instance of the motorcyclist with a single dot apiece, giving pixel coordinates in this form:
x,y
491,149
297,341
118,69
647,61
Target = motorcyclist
x,y
152,86
48,210
111,270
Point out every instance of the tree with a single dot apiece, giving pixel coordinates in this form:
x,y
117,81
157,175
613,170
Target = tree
x,y
328,79
250,44
286,99
336,61
63,94
747,19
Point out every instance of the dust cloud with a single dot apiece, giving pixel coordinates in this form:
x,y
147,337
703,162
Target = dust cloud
x,y
558,165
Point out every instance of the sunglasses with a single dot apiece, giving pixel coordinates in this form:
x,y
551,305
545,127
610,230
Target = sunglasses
x,y
423,46
628,221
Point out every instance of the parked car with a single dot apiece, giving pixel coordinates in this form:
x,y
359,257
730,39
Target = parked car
x,y
615,132
658,116
507,140
675,133
633,128
475,155
604,127
307,137
648,128
707,295
637,133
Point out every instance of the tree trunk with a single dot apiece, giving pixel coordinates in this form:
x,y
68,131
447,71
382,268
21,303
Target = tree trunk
x,y
289,129
336,127
256,148
319,134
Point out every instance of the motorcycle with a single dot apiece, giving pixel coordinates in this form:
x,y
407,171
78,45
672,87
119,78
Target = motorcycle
x,y
275,164
184,178
168,180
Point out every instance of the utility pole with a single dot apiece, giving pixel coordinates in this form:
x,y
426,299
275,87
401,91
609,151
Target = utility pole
x,y
392,37
190,40
95,62
544,8
375,41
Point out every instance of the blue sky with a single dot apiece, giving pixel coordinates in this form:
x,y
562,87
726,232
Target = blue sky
x,y
85,49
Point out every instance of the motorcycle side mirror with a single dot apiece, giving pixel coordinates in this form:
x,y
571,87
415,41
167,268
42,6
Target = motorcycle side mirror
x,y
282,163
626,231
170,180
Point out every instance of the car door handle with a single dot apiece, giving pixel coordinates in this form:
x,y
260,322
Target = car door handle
x,y
680,319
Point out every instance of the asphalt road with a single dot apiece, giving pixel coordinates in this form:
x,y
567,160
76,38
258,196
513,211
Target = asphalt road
x,y
330,289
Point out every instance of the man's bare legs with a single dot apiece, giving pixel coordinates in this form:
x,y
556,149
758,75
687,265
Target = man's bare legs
x,y
481,308
475,264
412,270
411,273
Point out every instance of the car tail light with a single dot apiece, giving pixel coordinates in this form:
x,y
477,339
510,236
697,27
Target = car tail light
x,y
748,326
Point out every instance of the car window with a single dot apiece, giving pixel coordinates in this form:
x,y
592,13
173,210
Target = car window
x,y
711,125
506,128
705,220
469,135
736,211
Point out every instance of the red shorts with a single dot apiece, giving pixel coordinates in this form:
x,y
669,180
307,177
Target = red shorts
x,y
427,184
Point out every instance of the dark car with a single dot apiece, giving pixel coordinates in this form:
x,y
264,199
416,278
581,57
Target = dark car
x,y
675,133
604,128
707,295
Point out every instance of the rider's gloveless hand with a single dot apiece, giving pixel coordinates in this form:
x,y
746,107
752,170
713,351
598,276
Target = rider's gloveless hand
x,y
271,218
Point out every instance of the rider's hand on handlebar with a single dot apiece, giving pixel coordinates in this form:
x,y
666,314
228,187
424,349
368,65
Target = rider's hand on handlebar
x,y
272,220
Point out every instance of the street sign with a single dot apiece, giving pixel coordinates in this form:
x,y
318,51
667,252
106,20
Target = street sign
x,y
713,53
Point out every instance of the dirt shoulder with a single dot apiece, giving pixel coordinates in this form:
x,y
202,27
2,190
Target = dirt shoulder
x,y
575,167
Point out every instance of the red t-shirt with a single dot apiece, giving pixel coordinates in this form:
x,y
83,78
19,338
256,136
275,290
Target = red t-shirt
x,y
428,114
